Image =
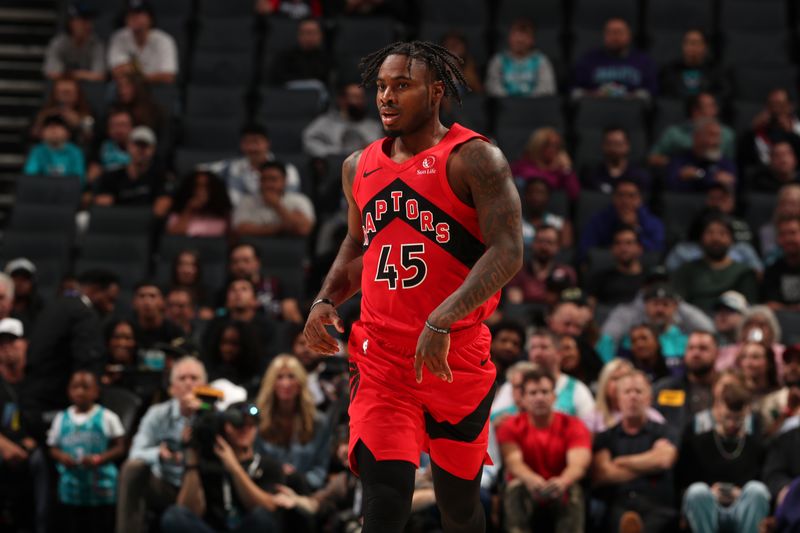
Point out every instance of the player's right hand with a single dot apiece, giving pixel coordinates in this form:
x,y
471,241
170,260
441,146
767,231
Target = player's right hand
x,y
317,336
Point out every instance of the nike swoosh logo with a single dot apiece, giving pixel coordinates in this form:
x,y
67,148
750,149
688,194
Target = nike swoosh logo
x,y
485,361
370,172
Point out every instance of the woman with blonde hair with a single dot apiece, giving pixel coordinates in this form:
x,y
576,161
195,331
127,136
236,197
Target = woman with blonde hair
x,y
292,430
606,413
544,158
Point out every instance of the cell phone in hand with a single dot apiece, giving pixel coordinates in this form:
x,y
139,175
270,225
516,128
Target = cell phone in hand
x,y
725,493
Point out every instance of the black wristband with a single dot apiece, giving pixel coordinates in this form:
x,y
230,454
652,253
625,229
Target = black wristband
x,y
321,301
443,331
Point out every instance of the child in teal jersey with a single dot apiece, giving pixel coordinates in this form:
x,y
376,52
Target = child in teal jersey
x,y
85,440
55,155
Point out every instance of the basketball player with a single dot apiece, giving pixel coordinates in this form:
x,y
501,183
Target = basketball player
x,y
433,234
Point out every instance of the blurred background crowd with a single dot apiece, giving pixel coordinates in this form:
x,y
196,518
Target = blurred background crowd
x,y
174,202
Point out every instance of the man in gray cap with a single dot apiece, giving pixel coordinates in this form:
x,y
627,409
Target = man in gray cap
x,y
728,316
143,181
27,302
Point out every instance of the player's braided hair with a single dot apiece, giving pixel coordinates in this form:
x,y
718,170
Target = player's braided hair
x,y
445,64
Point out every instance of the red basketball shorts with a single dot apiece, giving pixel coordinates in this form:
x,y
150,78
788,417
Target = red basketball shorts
x,y
398,418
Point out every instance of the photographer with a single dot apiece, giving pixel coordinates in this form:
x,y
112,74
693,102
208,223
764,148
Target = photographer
x,y
151,477
229,491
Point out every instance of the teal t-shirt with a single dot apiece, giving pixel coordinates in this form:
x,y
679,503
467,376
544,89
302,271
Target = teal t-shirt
x,y
44,160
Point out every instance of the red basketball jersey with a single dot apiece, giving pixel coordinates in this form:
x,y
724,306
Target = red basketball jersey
x,y
420,239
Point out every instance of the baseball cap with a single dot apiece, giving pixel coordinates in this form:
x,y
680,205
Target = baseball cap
x,y
20,264
142,134
140,6
12,327
657,274
735,301
662,291
80,10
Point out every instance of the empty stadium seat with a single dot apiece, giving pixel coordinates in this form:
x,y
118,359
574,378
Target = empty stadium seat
x,y
221,68
226,9
678,212
589,203
599,113
677,16
121,220
218,102
211,249
36,246
233,35
468,12
43,218
764,16
116,248
593,14
362,36
529,113
754,83
48,190
214,134
289,104
743,49
543,13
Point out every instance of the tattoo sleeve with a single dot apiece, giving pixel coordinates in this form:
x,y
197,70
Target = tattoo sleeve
x,y
344,278
499,215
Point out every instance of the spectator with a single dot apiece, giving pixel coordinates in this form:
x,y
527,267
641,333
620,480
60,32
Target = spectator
x,y
121,352
294,433
55,155
781,170
200,207
133,95
520,70
788,205
546,454
6,295
78,52
660,304
679,398
702,281
456,43
68,336
616,164
568,319
508,400
274,211
242,305
181,309
27,301
615,69
343,129
236,354
306,62
231,491
544,158
607,412
242,175
150,326
633,463
572,396
781,475
759,324
85,441
328,377
140,47
187,274
626,209
728,316
780,409
623,317
143,181
720,199
112,153
706,420
535,201
151,477
719,470
24,471
694,72
696,169
621,282
777,122
294,9
508,338
678,138
244,261
646,354
757,364
529,285
67,101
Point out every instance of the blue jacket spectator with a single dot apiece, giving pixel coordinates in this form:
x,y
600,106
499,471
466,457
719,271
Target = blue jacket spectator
x,y
55,155
616,69
626,209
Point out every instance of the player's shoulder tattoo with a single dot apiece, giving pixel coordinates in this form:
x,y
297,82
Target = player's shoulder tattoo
x,y
486,168
349,167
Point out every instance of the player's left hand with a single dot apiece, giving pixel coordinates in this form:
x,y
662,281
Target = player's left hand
x,y
432,350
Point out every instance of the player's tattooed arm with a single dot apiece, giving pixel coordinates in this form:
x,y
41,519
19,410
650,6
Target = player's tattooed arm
x,y
488,177
344,278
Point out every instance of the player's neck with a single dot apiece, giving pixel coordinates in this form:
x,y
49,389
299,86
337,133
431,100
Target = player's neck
x,y
424,138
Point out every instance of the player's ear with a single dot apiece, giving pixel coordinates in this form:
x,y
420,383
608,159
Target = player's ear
x,y
437,91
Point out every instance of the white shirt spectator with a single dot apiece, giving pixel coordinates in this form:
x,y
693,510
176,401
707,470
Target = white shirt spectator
x,y
242,179
158,55
112,425
252,210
